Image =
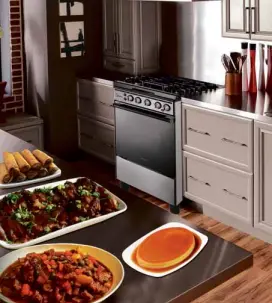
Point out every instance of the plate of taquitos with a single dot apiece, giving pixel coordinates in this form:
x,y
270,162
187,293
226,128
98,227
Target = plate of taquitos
x,y
26,167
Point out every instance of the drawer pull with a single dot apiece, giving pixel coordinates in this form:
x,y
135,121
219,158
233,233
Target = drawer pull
x,y
106,104
198,131
100,142
117,64
29,141
197,180
235,195
234,142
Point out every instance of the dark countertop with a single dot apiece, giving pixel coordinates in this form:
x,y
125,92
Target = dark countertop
x,y
219,261
254,106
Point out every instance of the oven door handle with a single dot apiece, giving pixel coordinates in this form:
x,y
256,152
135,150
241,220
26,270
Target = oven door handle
x,y
139,111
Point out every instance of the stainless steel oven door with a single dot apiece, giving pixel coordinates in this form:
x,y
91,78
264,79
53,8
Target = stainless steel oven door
x,y
146,138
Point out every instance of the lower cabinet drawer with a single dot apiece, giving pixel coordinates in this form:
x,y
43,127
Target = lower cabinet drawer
x,y
97,138
120,65
32,135
228,189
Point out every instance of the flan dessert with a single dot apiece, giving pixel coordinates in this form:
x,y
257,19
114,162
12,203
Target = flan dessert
x,y
165,248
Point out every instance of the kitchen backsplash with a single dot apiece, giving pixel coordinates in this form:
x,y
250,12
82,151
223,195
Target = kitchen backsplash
x,y
200,44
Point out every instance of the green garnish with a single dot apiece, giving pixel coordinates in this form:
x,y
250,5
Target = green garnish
x,y
53,219
47,229
45,190
22,213
82,219
96,194
49,198
61,186
50,207
13,198
9,242
84,192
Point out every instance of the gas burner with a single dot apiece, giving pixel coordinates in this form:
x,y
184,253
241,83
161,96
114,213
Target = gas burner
x,y
181,87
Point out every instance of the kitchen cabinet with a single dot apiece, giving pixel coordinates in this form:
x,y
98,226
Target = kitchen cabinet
x,y
219,186
263,177
249,19
218,163
218,136
96,138
95,115
261,20
95,100
26,127
132,36
236,18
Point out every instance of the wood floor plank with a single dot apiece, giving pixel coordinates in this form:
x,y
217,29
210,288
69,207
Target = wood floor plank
x,y
225,291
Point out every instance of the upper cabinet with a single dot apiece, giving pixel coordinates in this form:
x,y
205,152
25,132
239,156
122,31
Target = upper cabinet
x,y
132,36
249,19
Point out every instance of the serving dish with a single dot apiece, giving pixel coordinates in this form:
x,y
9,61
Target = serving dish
x,y
26,167
128,252
106,258
71,228
30,182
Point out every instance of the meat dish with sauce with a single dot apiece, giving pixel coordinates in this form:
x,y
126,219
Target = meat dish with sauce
x,y
50,277
26,215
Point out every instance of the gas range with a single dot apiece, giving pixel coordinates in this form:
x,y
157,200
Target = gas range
x,y
148,133
158,94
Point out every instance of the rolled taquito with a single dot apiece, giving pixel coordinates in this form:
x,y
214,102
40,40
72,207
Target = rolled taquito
x,y
32,161
42,157
20,178
52,168
5,177
43,172
11,164
22,163
32,174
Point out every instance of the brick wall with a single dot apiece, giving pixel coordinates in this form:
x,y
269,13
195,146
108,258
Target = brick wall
x,y
15,102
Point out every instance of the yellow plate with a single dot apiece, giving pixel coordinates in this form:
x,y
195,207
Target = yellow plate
x,y
106,258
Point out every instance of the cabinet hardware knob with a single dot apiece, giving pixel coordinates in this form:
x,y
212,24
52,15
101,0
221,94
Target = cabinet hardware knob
x,y
105,104
198,131
233,142
235,195
200,181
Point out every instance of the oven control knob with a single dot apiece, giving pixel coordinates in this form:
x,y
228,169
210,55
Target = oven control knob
x,y
138,100
158,105
166,108
147,102
130,98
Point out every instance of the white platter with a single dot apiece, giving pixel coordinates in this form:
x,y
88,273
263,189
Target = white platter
x,y
127,253
29,182
106,258
68,229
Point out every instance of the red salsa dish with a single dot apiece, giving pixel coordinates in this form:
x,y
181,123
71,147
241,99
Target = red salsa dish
x,y
53,276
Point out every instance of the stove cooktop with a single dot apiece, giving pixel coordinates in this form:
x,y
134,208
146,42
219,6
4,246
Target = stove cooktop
x,y
180,87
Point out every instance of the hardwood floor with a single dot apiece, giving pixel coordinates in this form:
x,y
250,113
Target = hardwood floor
x,y
251,286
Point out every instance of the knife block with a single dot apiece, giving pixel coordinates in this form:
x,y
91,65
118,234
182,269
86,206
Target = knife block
x,y
233,84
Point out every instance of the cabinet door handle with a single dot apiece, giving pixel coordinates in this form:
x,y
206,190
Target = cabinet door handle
x,y
198,131
233,142
247,17
29,141
200,181
115,43
105,104
100,142
253,20
118,44
235,195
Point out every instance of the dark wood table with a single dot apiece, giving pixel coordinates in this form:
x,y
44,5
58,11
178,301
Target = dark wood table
x,y
219,261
